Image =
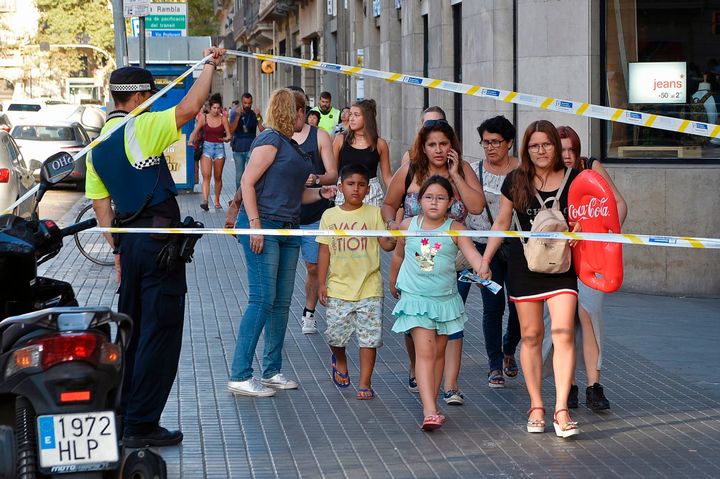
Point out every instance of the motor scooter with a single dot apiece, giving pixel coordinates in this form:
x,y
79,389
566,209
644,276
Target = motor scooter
x,y
60,366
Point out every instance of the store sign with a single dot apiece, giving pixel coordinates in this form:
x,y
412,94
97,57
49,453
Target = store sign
x,y
657,82
163,20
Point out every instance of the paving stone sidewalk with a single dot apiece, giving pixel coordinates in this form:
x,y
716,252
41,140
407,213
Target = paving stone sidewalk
x,y
663,422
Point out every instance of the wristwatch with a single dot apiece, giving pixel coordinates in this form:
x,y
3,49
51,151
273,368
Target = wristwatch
x,y
317,180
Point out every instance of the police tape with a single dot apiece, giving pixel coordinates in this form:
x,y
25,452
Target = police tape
x,y
142,107
571,107
625,238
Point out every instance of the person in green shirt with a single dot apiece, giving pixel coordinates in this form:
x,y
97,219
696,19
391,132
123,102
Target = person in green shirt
x,y
329,116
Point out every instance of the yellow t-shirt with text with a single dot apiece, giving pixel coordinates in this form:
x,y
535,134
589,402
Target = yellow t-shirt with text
x,y
354,271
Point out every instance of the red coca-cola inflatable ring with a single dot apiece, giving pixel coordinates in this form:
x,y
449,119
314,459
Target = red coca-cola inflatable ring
x,y
591,202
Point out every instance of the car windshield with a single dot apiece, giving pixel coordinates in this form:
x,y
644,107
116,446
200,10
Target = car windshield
x,y
43,133
23,107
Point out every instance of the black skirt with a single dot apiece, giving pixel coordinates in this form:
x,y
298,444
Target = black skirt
x,y
526,285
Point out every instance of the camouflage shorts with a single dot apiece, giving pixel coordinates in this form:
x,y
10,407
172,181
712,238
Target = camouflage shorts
x,y
363,317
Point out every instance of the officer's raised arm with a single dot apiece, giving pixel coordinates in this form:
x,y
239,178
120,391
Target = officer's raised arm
x,y
193,101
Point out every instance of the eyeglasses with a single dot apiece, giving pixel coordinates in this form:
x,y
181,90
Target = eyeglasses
x,y
535,148
493,143
439,198
429,123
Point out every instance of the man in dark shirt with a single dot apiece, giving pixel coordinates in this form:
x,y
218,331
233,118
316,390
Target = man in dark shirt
x,y
244,128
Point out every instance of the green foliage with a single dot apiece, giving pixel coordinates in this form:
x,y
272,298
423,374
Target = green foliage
x,y
76,21
201,18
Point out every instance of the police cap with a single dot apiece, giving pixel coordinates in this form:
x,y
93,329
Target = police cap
x,y
132,79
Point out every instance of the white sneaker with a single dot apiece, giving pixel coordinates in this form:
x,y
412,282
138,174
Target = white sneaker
x,y
279,382
251,387
309,324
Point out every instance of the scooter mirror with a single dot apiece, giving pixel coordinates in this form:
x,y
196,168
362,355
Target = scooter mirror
x,y
56,168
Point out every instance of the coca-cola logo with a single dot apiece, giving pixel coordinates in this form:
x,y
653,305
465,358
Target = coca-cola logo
x,y
595,208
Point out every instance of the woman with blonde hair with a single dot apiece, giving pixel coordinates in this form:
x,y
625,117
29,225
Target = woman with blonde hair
x,y
272,188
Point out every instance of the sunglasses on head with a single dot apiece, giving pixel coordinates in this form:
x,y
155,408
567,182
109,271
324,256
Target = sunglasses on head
x,y
430,123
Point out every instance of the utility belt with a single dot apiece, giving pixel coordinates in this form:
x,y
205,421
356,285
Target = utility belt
x,y
178,248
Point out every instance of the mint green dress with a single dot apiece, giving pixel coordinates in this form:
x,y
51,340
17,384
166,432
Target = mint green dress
x,y
427,283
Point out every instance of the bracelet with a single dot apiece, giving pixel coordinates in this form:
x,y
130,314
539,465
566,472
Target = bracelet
x,y
210,62
253,219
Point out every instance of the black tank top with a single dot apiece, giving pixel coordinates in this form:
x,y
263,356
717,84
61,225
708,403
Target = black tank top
x,y
370,159
312,212
310,146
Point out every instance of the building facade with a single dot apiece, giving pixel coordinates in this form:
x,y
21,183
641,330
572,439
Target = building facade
x,y
616,53
21,72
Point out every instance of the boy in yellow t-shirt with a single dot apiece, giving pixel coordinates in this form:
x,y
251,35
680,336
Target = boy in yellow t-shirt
x,y
349,280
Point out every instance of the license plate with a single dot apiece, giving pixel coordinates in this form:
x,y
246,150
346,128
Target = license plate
x,y
77,442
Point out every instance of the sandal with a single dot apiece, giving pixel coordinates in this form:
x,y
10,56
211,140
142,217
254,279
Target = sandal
x,y
218,206
343,377
204,207
364,394
510,367
496,379
431,422
535,425
568,429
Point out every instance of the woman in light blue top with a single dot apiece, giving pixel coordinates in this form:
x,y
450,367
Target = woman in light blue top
x,y
422,276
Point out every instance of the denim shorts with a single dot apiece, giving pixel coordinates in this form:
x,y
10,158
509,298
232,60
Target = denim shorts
x,y
214,151
309,247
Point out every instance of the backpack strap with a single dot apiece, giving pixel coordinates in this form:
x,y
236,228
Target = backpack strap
x,y
556,198
517,227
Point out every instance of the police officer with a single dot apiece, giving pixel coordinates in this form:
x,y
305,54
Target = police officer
x,y
130,169
329,116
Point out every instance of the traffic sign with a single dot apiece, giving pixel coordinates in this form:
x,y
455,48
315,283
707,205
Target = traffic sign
x,y
135,8
163,20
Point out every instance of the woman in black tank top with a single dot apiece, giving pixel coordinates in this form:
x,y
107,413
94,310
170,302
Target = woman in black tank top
x,y
360,144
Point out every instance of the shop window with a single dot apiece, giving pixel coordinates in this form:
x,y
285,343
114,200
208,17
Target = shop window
x,y
661,57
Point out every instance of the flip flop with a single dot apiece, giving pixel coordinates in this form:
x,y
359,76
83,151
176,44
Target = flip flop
x,y
337,374
431,422
365,393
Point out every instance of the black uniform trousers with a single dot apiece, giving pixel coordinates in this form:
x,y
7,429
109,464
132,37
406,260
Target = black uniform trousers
x,y
155,300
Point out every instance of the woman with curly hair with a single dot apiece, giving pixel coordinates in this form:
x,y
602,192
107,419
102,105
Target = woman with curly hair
x,y
436,151
273,188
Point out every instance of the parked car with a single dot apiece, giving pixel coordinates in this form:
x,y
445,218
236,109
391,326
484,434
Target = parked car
x,y
15,176
5,124
19,109
38,139
90,117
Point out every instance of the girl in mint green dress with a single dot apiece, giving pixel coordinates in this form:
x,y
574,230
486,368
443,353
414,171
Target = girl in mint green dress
x,y
422,276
